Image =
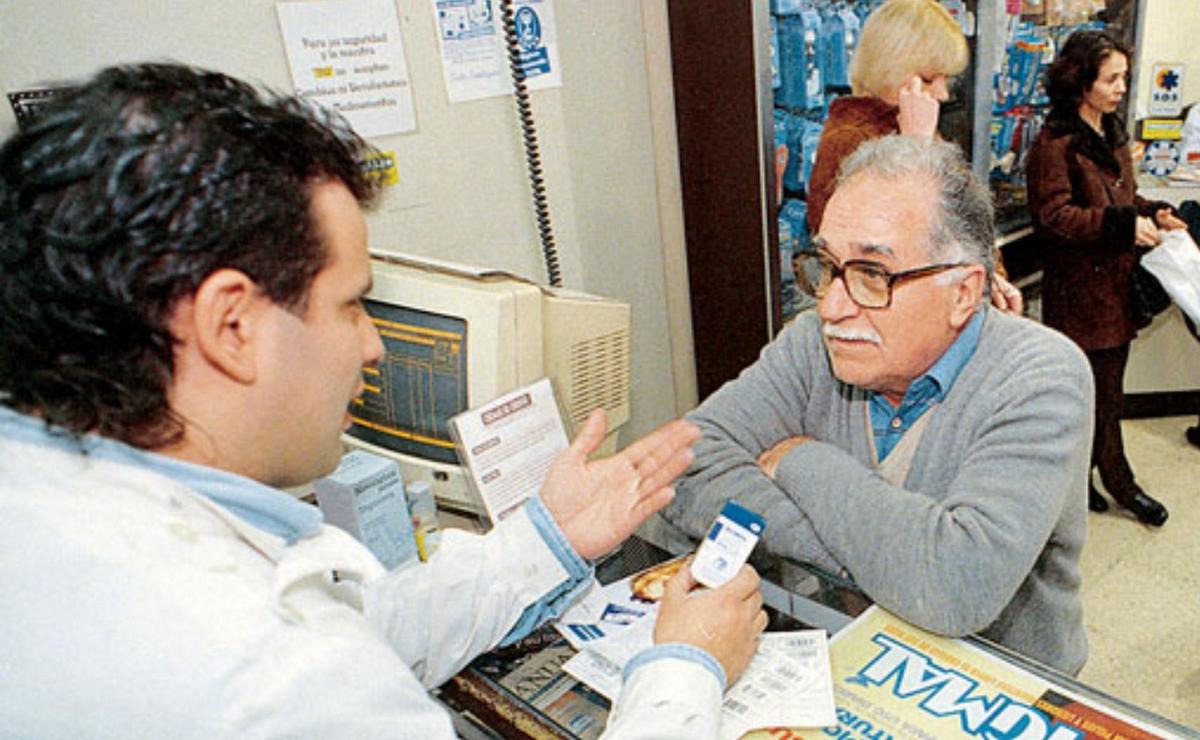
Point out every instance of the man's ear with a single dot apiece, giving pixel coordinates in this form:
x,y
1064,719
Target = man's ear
x,y
223,323
966,295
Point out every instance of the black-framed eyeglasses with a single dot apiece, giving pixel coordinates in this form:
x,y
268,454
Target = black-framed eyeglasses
x,y
869,284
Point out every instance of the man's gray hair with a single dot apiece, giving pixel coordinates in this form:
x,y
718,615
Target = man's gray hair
x,y
962,229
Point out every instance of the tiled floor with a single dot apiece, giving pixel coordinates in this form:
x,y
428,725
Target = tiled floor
x,y
1141,587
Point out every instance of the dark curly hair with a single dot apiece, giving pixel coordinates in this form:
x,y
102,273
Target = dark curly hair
x,y
1076,68
120,198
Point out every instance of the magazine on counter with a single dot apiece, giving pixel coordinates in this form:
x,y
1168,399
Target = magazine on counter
x,y
532,671
894,680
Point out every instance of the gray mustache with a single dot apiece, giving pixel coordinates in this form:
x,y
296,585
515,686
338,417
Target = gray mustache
x,y
832,331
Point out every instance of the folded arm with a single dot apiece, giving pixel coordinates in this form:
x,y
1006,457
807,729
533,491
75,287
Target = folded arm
x,y
738,423
952,564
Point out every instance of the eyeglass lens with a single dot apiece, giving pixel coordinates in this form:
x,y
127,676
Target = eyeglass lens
x,y
867,285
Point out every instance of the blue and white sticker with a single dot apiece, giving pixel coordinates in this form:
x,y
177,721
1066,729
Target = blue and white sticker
x,y
535,57
1161,158
728,544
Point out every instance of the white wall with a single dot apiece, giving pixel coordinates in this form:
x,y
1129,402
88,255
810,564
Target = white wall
x,y
463,192
1169,29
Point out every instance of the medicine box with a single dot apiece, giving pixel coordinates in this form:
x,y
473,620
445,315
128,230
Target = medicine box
x,y
365,497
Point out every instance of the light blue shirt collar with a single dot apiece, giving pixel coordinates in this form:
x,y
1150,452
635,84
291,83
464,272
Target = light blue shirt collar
x,y
262,506
888,423
946,370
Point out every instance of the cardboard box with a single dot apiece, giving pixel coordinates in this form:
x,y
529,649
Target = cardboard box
x,y
365,497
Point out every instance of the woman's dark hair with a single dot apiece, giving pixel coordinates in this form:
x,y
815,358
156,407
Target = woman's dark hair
x,y
117,200
1076,68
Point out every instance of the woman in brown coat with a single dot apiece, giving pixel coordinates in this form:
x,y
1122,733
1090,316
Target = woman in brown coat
x,y
1086,209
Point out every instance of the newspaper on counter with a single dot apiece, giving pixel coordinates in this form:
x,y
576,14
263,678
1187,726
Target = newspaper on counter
x,y
894,680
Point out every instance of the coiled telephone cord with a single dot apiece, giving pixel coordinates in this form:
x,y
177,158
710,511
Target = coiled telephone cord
x,y
533,157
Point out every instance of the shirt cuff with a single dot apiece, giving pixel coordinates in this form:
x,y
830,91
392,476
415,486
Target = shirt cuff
x,y
556,540
678,651
561,597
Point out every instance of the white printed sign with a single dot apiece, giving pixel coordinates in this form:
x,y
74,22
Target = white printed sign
x,y
509,444
474,51
347,55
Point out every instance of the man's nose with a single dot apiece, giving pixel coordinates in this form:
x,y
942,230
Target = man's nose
x,y
837,304
372,345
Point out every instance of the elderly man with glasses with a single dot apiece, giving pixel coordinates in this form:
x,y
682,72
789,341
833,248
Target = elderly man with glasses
x,y
907,435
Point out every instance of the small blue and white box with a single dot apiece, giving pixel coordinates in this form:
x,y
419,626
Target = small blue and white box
x,y
728,544
365,497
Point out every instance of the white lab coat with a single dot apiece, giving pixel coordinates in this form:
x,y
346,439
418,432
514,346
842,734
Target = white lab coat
x,y
134,607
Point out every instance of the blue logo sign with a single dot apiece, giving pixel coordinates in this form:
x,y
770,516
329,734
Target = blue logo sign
x,y
529,29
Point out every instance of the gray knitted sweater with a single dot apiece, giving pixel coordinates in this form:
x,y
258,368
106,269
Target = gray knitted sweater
x,y
986,533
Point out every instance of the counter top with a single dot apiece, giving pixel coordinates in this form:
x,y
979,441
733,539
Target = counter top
x,y
797,596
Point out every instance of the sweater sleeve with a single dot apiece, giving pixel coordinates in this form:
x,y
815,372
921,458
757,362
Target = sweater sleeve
x,y
740,421
1019,438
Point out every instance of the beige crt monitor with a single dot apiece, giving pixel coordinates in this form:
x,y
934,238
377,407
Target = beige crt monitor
x,y
456,337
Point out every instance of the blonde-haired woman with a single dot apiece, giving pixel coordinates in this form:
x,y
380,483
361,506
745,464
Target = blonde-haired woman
x,y
903,38
906,54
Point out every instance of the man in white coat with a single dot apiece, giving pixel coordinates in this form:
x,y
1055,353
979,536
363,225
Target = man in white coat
x,y
182,263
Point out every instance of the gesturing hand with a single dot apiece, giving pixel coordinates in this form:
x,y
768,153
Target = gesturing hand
x,y
724,622
599,503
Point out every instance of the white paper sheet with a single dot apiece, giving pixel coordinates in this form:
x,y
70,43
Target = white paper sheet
x,y
509,444
474,55
604,613
596,671
788,683
348,56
